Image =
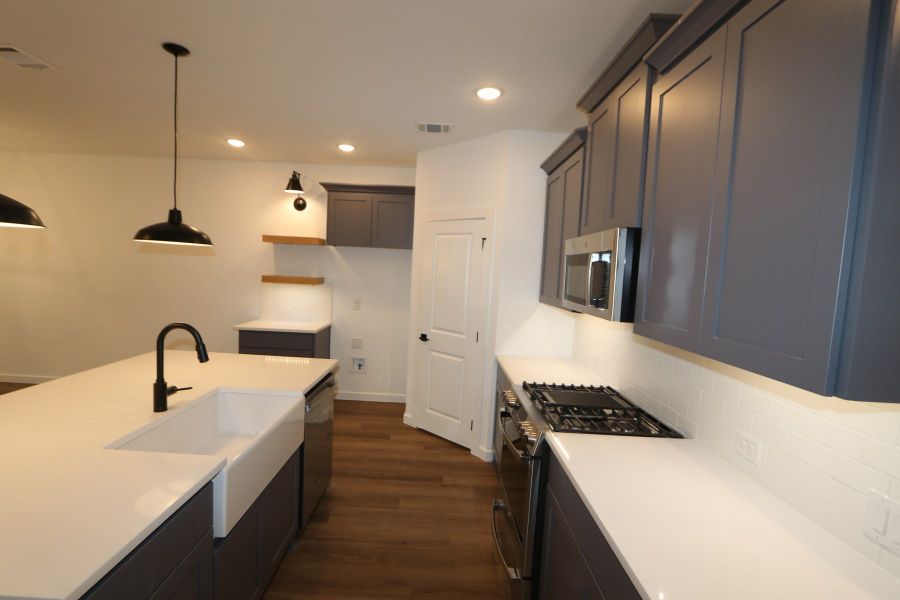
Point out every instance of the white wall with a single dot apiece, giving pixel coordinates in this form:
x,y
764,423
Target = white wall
x,y
821,454
81,293
501,172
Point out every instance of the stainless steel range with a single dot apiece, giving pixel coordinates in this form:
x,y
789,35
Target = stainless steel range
x,y
519,457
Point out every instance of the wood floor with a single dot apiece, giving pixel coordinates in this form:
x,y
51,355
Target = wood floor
x,y
407,516
5,388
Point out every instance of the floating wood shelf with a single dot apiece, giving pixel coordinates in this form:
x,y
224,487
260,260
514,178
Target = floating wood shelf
x,y
290,239
297,279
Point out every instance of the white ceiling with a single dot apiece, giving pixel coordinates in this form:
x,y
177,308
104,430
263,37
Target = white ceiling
x,y
294,78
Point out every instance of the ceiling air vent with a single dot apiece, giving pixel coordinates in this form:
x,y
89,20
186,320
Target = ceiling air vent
x,y
22,59
433,127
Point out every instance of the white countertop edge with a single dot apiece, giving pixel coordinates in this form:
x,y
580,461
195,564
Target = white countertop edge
x,y
138,539
284,326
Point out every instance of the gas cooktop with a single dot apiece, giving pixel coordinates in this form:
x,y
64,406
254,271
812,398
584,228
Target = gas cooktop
x,y
590,409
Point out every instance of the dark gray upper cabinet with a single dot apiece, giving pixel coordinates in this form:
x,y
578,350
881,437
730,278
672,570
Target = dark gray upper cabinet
x,y
618,105
871,340
564,178
392,220
370,216
791,110
681,170
752,251
617,134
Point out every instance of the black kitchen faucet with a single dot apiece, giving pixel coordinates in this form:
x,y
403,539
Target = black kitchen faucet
x,y
161,392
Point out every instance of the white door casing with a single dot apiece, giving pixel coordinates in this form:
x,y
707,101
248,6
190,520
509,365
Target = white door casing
x,y
448,368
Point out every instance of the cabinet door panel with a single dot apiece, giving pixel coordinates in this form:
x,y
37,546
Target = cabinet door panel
x,y
684,124
791,101
553,226
392,221
564,572
350,219
572,172
626,200
601,148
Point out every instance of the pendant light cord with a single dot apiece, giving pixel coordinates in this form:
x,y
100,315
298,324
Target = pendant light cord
x,y
175,121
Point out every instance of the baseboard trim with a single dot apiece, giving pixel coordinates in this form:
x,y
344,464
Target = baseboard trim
x,y
19,378
487,455
372,397
408,420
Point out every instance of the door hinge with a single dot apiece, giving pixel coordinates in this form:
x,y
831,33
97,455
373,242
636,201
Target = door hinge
x,y
483,240
471,425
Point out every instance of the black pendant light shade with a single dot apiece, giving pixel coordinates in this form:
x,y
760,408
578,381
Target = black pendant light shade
x,y
15,214
293,185
174,230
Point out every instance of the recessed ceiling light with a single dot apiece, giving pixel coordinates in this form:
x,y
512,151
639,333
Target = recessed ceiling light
x,y
346,147
488,93
235,143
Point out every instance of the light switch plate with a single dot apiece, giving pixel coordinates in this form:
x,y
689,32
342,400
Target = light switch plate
x,y
882,521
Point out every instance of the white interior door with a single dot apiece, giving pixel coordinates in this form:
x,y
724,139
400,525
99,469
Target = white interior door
x,y
450,351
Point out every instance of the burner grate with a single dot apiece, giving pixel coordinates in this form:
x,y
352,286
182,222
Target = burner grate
x,y
590,409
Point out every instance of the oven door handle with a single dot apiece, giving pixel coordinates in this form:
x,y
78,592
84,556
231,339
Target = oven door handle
x,y
496,507
512,447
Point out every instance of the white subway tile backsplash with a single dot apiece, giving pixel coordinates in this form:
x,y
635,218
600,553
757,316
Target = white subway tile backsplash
x,y
791,416
820,454
859,476
810,452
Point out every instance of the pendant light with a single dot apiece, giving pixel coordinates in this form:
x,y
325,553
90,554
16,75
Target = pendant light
x,y
174,230
15,214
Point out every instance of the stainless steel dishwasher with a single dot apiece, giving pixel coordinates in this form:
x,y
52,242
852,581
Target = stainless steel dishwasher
x,y
317,444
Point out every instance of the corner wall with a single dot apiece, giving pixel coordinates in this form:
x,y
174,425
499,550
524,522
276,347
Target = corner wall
x,y
81,293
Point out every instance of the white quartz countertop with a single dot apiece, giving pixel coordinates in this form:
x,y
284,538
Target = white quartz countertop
x,y
686,525
70,509
285,326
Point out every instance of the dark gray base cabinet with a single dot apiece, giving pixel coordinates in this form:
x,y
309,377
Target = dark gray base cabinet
x,y
175,562
576,560
286,343
757,142
246,559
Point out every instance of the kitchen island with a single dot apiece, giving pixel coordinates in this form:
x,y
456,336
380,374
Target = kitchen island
x,y
73,506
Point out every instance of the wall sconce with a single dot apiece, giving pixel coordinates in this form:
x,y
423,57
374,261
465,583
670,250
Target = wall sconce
x,y
295,187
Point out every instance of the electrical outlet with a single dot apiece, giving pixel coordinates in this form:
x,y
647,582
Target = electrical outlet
x,y
287,311
357,304
359,364
882,521
748,448
356,343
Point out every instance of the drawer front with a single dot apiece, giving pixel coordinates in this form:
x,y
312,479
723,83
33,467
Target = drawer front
x,y
277,339
150,564
604,564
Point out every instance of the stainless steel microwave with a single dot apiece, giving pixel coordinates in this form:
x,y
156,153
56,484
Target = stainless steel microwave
x,y
601,274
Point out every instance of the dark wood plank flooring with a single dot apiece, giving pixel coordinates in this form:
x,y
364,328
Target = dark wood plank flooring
x,y
5,388
407,516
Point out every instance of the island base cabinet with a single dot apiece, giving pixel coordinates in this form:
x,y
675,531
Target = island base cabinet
x,y
175,562
246,559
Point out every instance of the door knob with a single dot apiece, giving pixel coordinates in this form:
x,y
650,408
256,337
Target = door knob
x,y
423,337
